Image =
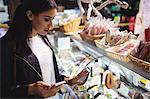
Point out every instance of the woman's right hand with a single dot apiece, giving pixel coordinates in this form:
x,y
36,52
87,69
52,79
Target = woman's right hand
x,y
42,89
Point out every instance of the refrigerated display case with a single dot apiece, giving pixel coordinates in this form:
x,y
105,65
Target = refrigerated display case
x,y
80,55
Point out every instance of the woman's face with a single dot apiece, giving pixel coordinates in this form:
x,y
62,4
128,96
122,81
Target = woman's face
x,y
42,22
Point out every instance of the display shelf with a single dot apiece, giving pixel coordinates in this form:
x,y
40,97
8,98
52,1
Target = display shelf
x,y
129,65
67,64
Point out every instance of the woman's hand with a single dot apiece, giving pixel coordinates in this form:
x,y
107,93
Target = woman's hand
x,y
42,89
80,79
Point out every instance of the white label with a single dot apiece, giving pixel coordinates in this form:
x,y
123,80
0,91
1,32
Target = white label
x,y
123,90
63,43
148,86
135,81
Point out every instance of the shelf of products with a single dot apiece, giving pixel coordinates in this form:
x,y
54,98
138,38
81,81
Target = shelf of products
x,y
128,65
72,61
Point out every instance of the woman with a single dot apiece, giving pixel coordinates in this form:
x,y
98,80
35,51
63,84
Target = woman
x,y
29,68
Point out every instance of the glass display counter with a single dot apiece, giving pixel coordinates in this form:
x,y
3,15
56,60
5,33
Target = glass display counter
x,y
79,55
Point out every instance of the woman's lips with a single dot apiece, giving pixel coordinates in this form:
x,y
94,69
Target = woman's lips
x,y
46,30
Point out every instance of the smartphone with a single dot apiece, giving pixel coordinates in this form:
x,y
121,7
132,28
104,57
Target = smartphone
x,y
60,83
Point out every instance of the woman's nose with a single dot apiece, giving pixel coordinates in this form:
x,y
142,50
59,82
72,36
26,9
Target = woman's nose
x,y
50,26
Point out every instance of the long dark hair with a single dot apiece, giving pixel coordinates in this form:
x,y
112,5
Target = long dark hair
x,y
21,26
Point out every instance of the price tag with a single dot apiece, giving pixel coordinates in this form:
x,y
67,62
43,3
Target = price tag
x,y
135,79
148,85
123,90
63,43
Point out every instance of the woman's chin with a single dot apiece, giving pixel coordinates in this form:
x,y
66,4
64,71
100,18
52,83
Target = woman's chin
x,y
43,33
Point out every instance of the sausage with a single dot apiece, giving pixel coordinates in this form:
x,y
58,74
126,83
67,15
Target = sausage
x,y
108,79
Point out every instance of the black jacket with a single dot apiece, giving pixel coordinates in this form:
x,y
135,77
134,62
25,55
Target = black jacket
x,y
20,67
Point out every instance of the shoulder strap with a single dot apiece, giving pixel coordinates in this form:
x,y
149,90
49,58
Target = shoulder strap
x,y
45,39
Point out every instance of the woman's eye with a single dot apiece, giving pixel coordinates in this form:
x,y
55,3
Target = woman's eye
x,y
46,20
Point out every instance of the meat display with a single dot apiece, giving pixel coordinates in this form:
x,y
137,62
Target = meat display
x,y
97,26
113,39
95,30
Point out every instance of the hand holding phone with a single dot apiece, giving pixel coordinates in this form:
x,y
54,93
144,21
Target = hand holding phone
x,y
60,83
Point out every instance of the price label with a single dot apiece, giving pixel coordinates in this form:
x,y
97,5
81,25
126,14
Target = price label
x,y
63,43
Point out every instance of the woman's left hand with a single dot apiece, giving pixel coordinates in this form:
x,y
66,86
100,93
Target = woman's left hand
x,y
80,79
